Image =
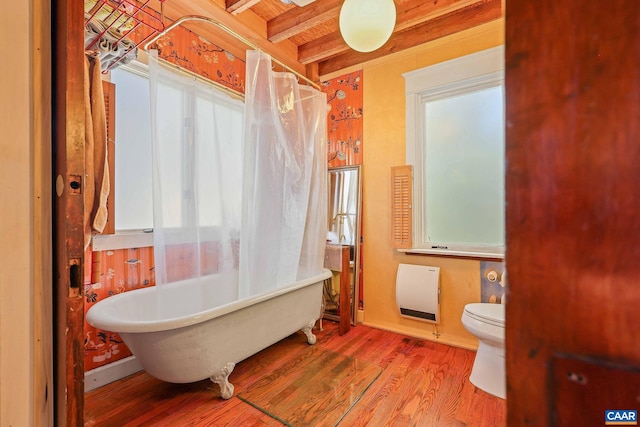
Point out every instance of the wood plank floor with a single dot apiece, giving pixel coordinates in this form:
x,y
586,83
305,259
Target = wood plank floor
x,y
422,384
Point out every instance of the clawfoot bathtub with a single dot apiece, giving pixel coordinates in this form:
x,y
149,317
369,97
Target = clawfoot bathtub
x,y
178,340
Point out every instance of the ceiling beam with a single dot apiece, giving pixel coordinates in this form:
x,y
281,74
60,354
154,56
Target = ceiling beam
x,y
235,7
322,48
295,21
459,20
412,13
408,15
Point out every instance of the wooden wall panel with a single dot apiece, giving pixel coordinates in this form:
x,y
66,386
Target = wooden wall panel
x,y
43,377
345,119
26,378
68,236
113,272
573,260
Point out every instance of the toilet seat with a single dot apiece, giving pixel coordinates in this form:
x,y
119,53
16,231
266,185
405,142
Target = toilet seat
x,y
492,314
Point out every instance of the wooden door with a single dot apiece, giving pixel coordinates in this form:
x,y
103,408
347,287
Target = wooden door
x,y
573,210
68,233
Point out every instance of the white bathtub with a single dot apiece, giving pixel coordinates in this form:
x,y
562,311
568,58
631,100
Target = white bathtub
x,y
178,340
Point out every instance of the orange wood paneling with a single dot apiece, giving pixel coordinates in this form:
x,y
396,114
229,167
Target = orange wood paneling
x,y
192,52
119,271
344,95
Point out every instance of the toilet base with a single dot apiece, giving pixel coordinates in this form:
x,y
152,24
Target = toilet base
x,y
488,371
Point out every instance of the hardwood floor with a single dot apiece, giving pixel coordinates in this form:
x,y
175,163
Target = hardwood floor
x,y
422,384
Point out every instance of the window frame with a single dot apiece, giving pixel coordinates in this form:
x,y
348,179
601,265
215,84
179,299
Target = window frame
x,y
465,74
141,237
125,238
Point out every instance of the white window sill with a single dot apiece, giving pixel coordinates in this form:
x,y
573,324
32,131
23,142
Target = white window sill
x,y
497,254
123,240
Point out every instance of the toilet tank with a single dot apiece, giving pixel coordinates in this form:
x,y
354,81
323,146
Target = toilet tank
x,y
418,292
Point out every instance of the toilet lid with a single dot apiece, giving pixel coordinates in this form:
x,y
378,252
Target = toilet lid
x,y
489,313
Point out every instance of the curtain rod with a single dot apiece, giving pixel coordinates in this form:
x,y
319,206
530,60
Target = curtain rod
x,y
232,33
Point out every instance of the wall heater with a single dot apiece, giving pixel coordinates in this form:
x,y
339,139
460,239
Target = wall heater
x,y
418,292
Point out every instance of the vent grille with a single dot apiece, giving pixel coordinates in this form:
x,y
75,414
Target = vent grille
x,y
418,314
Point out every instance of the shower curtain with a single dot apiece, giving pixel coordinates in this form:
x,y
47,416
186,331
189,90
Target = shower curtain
x,y
285,175
239,189
197,134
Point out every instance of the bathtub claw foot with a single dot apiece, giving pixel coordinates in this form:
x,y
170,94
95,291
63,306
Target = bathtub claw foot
x,y
311,338
222,379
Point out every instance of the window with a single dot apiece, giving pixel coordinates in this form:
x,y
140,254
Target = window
x,y
133,165
199,132
133,192
455,142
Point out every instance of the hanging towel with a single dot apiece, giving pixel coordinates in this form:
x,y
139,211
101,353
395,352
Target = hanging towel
x,y
101,160
96,188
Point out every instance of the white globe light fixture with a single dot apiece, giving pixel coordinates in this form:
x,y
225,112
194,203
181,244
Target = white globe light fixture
x,y
366,25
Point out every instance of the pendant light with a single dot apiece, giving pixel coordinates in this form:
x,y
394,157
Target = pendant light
x,y
366,25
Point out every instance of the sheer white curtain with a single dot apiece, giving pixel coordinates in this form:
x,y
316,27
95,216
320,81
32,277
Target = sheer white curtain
x,y
197,134
284,208
315,108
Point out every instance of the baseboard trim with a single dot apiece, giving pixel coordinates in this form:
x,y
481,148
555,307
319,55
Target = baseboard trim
x,y
109,373
443,339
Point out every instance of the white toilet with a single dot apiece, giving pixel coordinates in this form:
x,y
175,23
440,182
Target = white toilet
x,y
486,322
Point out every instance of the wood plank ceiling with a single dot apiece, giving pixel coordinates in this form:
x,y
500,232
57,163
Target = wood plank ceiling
x,y
308,37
